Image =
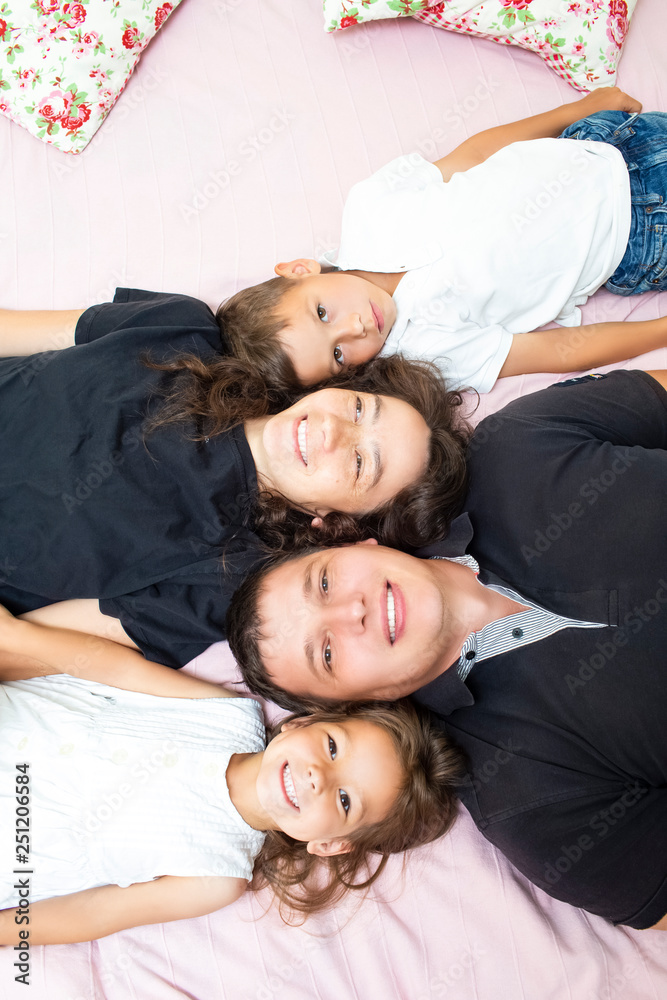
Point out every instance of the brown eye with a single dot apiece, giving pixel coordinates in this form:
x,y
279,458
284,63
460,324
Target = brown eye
x,y
338,355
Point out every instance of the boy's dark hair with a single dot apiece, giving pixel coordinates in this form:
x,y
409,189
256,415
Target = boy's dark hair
x,y
250,322
243,629
424,809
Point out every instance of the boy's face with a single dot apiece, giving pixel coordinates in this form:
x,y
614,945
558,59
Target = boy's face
x,y
333,320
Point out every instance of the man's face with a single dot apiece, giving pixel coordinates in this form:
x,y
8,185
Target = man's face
x,y
357,622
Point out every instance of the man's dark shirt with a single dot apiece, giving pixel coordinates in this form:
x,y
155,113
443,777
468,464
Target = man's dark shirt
x,y
567,737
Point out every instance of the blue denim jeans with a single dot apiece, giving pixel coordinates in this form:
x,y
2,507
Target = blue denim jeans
x,y
642,140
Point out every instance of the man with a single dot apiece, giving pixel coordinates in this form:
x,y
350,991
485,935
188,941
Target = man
x,y
548,669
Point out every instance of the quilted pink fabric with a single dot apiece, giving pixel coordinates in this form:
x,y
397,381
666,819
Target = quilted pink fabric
x,y
233,147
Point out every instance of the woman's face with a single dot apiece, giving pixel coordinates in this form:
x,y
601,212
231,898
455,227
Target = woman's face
x,y
319,782
337,449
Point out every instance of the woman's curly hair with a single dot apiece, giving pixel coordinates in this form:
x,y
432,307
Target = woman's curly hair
x,y
211,395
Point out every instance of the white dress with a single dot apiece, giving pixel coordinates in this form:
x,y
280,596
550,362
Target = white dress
x,y
124,787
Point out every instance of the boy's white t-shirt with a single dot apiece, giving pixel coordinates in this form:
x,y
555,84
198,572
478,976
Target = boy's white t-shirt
x,y
504,247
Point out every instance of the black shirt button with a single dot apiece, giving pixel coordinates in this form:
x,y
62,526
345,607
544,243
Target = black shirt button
x,y
471,654
517,633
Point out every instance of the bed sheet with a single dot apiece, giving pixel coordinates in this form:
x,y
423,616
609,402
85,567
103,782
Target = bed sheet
x,y
233,147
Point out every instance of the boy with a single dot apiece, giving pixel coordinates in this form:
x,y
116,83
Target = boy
x,y
450,260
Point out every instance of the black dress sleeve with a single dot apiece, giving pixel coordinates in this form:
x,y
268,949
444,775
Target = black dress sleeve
x,y
148,313
176,619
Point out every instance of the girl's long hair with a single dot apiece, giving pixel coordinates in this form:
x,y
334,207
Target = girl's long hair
x,y
425,809
210,396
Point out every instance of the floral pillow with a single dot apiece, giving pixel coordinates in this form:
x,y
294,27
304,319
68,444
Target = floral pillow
x,y
63,64
580,39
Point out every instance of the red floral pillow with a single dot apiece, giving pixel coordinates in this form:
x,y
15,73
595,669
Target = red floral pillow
x,y
64,64
580,39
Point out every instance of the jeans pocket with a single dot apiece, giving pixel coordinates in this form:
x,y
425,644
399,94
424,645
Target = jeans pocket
x,y
656,274
644,266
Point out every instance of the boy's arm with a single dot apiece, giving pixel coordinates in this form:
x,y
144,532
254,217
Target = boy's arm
x,y
94,913
30,650
479,147
578,348
24,332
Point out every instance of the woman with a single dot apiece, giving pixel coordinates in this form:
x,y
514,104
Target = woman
x,y
133,461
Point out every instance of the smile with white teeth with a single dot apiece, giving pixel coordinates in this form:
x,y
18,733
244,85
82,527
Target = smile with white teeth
x,y
391,614
289,786
302,438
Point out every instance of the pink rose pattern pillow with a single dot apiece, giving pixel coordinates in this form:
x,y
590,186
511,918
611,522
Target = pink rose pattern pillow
x,y
580,39
64,64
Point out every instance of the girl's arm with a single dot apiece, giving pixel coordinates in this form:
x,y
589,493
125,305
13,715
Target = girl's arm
x,y
94,913
549,124
31,650
25,332
578,348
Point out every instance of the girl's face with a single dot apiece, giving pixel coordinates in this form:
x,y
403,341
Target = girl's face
x,y
337,449
333,320
321,781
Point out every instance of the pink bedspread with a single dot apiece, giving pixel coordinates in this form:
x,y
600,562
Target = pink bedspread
x,y
233,147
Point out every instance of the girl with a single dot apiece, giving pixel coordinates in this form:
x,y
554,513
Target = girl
x,y
148,807
129,469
